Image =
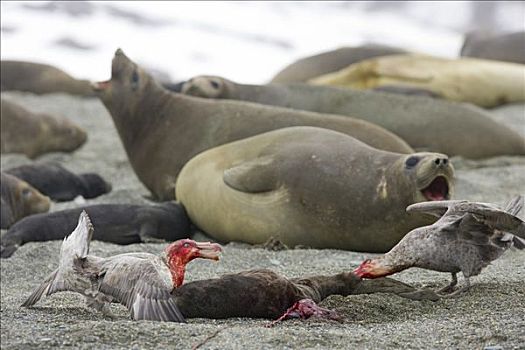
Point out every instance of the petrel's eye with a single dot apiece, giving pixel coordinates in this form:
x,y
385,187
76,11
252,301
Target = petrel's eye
x,y
135,77
186,245
214,84
411,162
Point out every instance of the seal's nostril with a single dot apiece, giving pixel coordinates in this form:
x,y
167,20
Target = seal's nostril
x,y
437,161
445,161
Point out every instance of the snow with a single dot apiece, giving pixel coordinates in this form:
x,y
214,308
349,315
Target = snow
x,y
245,41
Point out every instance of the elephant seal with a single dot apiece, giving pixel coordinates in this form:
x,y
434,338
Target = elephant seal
x,y
60,184
40,79
34,134
509,47
162,130
426,124
331,61
482,82
19,199
115,223
310,186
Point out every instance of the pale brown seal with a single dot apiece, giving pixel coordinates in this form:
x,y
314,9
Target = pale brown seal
x,y
330,61
509,47
426,124
19,199
161,131
34,134
40,79
310,186
482,82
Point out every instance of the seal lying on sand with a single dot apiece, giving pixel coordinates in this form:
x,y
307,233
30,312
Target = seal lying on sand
x,y
161,131
331,61
482,82
426,124
509,47
40,79
34,134
310,186
19,199
116,223
60,184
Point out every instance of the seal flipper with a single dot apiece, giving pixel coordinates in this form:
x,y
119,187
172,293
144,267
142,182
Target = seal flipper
x,y
254,176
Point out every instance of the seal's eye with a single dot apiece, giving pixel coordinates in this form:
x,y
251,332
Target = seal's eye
x,y
135,77
411,162
26,193
214,84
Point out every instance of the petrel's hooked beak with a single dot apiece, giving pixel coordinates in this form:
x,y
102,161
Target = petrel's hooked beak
x,y
208,250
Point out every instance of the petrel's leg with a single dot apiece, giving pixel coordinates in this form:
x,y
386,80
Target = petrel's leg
x,y
450,287
306,308
100,305
460,290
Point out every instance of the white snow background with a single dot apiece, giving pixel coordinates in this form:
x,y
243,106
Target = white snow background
x,y
245,41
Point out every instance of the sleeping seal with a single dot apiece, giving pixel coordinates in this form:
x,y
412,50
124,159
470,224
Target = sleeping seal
x,y
60,184
330,61
115,223
161,130
310,186
19,199
34,134
482,82
40,79
509,47
426,124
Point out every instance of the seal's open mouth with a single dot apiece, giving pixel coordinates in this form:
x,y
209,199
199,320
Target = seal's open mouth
x,y
101,85
437,190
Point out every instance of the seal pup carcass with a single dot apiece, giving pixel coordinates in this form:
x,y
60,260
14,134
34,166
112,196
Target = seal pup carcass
x,y
161,130
424,123
310,186
34,134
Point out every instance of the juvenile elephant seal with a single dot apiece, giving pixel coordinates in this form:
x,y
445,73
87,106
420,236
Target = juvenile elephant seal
x,y
19,199
161,131
310,186
40,79
60,184
426,124
330,61
34,134
115,223
482,82
509,47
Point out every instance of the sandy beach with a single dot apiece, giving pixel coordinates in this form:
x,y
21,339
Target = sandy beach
x,y
491,315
